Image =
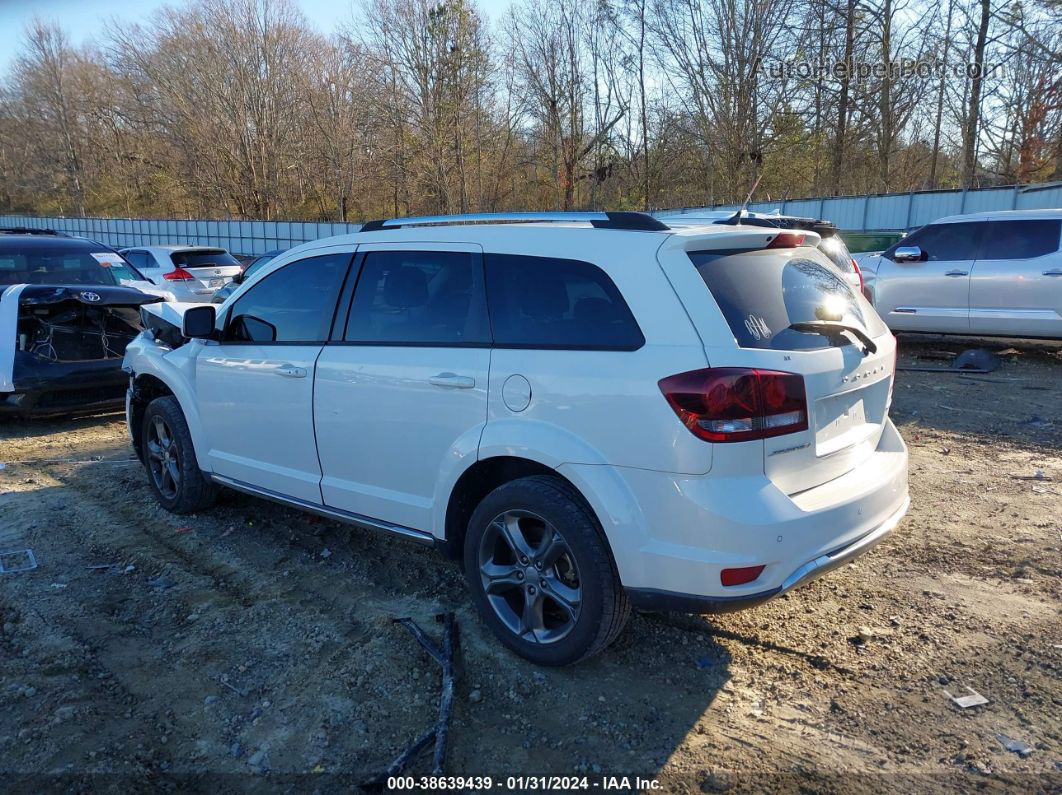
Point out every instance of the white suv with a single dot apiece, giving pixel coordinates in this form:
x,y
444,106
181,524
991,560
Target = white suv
x,y
191,273
591,411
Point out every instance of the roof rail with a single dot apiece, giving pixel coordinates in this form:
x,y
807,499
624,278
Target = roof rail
x,y
27,230
642,222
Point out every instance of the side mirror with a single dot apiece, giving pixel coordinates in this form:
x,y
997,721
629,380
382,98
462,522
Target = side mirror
x,y
198,322
238,278
907,254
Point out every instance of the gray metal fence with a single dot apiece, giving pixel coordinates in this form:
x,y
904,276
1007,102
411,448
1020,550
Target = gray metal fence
x,y
903,211
238,237
891,211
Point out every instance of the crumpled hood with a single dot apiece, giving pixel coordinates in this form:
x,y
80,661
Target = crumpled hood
x,y
89,294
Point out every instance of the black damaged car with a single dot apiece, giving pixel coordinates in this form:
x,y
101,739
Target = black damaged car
x,y
65,321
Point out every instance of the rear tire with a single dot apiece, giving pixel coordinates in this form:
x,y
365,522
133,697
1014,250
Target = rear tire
x,y
169,458
540,572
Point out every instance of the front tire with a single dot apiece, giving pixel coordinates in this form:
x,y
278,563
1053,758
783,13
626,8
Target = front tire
x,y
169,457
540,572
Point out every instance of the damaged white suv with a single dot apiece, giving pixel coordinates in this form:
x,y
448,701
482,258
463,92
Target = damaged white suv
x,y
591,411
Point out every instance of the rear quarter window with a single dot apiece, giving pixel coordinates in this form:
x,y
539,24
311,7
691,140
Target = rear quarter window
x,y
548,302
762,293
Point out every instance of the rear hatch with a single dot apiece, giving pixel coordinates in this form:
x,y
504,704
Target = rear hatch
x,y
745,300
211,267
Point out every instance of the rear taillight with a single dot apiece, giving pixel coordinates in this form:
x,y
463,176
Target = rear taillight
x,y
735,404
178,275
859,273
787,240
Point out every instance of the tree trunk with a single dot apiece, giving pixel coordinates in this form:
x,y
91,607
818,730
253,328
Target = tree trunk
x,y
973,115
840,139
645,109
940,101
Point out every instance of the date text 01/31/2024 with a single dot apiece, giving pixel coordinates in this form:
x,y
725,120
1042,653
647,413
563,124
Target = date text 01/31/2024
x,y
523,783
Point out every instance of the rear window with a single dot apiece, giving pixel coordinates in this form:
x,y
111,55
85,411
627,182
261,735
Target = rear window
x,y
837,253
203,258
545,302
763,293
59,265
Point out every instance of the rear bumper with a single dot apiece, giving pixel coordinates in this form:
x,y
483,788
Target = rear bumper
x,y
651,599
673,535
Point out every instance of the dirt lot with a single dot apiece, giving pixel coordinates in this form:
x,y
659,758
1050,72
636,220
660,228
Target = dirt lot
x,y
257,641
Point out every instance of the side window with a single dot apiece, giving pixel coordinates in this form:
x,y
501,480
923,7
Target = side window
x,y
419,297
294,304
943,242
1020,239
542,302
138,258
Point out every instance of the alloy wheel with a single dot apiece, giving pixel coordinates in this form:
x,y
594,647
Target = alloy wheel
x,y
164,460
530,577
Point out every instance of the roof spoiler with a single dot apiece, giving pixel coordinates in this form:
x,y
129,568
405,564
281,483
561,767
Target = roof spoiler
x,y
823,228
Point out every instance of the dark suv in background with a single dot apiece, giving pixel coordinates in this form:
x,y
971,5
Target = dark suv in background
x,y
65,320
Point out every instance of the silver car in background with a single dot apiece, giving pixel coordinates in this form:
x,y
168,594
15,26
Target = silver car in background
x,y
191,273
990,274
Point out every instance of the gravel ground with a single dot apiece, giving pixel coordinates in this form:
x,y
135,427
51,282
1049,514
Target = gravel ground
x,y
252,647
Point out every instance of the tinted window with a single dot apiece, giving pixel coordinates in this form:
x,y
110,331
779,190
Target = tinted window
x,y
419,297
59,265
202,258
138,258
294,304
762,293
1020,239
541,302
945,241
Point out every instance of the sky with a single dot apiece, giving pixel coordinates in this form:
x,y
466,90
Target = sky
x,y
85,19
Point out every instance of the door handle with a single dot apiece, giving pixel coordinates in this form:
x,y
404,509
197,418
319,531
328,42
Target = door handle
x,y
957,273
1055,272
452,380
290,371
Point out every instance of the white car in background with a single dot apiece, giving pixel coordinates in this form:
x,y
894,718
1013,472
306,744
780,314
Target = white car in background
x,y
992,274
191,273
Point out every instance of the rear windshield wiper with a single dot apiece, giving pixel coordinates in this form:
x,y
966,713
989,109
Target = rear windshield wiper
x,y
831,328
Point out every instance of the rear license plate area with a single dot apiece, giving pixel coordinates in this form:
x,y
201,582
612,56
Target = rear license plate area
x,y
840,421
